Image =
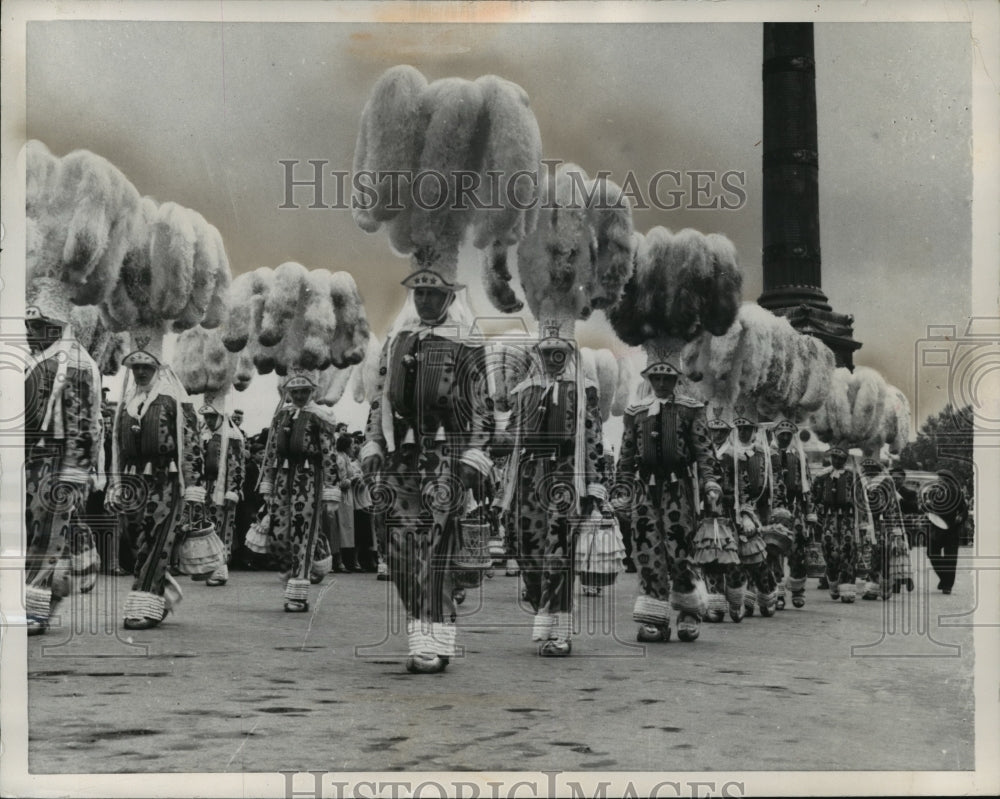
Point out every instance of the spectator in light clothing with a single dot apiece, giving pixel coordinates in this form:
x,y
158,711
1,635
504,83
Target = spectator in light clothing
x,y
342,525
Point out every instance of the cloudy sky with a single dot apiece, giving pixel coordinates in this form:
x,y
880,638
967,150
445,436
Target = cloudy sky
x,y
202,113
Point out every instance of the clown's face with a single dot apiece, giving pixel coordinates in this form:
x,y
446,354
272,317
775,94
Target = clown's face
x,y
663,385
300,396
41,333
432,304
719,435
746,433
143,373
212,421
784,439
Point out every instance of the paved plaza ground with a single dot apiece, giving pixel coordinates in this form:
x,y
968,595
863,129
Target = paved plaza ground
x,y
231,683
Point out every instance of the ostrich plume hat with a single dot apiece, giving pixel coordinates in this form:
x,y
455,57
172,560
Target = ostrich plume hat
x,y
148,343
33,313
785,426
300,378
429,279
140,357
46,299
661,368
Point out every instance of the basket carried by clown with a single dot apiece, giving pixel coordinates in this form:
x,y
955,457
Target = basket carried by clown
x,y
201,552
715,543
600,551
777,534
85,561
815,562
259,533
474,544
749,541
472,557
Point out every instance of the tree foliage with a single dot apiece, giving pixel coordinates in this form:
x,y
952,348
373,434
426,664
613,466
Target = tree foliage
x,y
944,441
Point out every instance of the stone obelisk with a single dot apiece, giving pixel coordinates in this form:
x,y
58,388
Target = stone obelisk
x,y
791,256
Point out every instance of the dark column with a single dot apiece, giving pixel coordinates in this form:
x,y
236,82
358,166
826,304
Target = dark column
x,y
791,256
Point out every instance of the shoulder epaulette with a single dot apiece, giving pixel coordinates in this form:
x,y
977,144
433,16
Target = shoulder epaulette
x,y
639,405
688,402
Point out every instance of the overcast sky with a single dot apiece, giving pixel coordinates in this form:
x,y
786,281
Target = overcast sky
x,y
201,114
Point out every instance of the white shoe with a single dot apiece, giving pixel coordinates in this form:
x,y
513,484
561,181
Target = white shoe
x,y
653,633
426,664
688,627
555,649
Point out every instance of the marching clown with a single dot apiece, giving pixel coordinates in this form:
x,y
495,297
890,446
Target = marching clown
x,y
63,443
889,566
839,493
665,445
204,366
158,457
685,290
554,433
719,557
425,440
79,212
224,448
748,472
792,502
299,483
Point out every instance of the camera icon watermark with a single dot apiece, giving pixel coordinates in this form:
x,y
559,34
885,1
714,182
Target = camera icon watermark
x,y
965,362
15,359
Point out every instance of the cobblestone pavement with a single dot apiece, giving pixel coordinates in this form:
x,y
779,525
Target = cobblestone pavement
x,y
232,683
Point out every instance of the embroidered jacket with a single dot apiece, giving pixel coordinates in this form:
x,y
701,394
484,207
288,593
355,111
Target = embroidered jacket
x,y
666,439
148,443
235,466
69,423
301,439
428,385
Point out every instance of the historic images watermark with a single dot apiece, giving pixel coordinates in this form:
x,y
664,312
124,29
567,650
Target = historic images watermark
x,y
326,785
967,362
308,183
